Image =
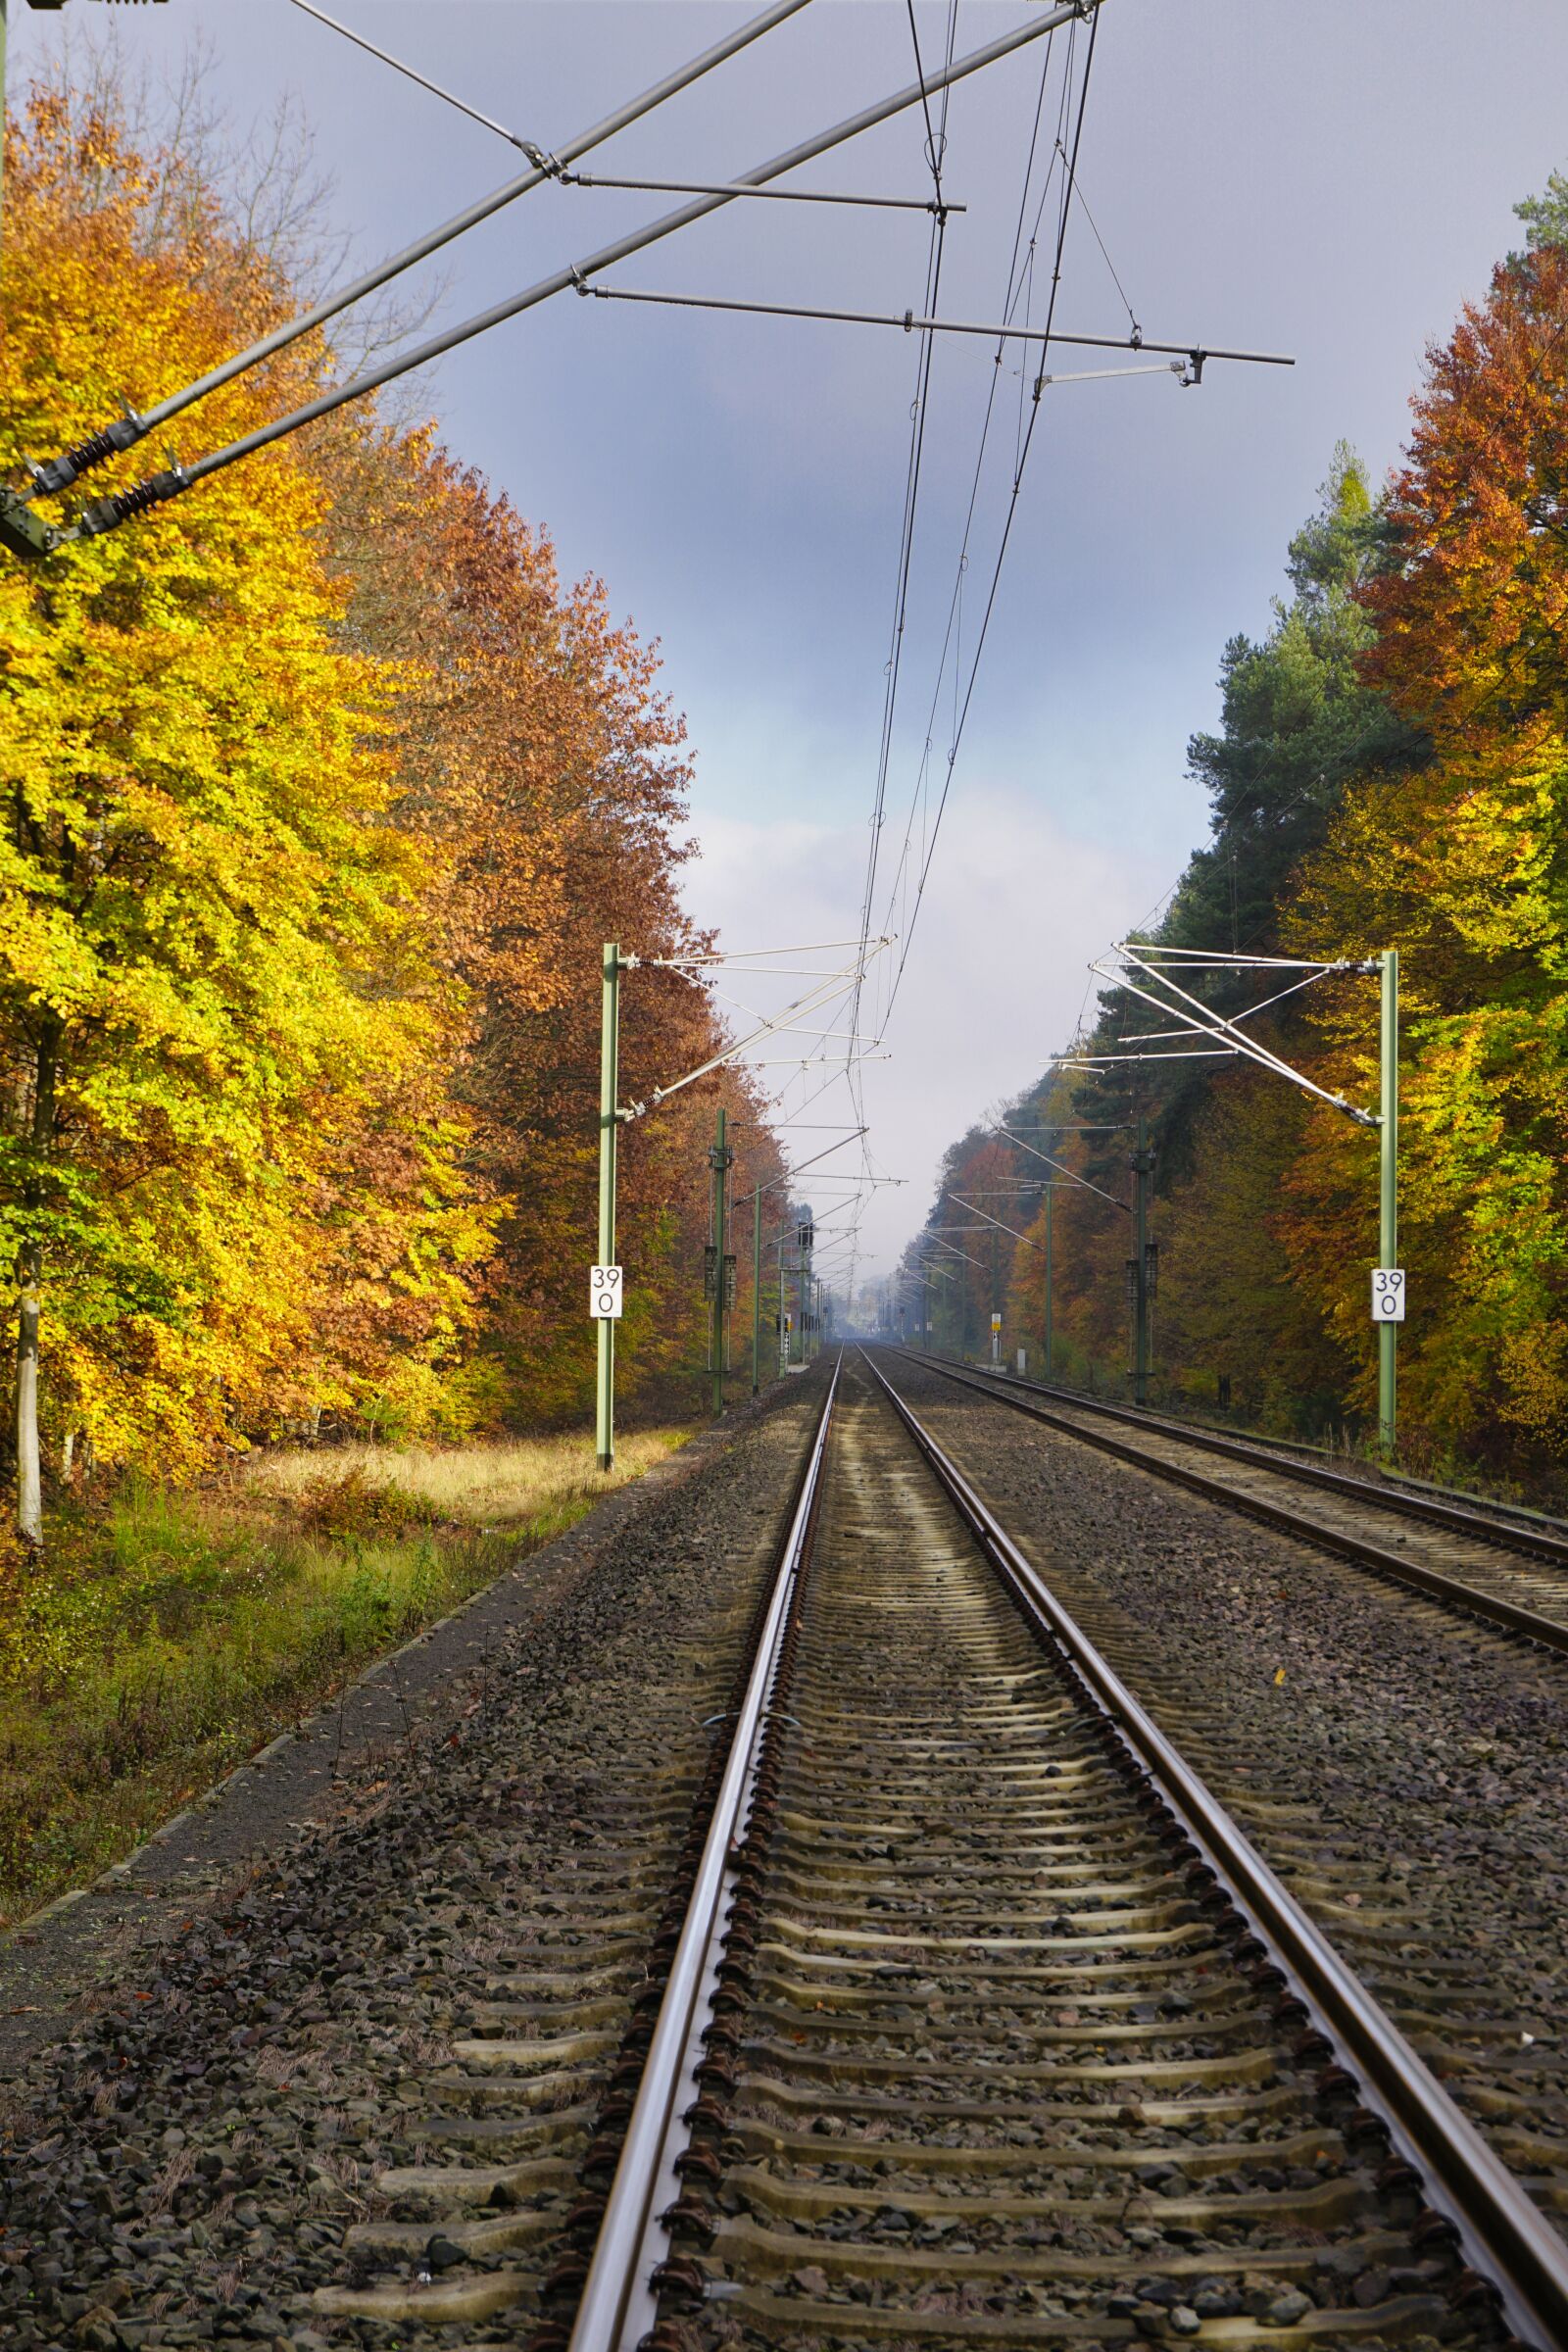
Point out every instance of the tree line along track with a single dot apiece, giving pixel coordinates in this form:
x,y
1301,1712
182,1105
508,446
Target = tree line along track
x,y
1513,1574
997,2028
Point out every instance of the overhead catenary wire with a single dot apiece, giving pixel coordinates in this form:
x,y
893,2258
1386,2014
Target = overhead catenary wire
x,y
1006,529
1015,282
107,513
911,494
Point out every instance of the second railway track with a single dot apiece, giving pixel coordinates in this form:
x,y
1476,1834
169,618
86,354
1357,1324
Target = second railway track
x,y
991,2028
1507,1571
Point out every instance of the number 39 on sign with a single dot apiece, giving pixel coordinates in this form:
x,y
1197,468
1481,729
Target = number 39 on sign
x,y
1388,1294
604,1294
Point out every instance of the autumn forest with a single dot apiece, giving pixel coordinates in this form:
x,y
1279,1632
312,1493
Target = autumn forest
x,y
1390,772
321,801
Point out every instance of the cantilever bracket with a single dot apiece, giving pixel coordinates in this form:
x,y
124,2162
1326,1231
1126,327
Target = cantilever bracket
x,y
22,532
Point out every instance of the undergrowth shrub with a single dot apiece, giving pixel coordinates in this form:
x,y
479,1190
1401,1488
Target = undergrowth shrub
x,y
170,1634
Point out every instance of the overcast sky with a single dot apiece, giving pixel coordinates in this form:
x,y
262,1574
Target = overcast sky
x,y
1330,181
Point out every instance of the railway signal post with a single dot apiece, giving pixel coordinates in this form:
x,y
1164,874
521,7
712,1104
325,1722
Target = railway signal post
x,y
756,1289
1143,1163
1389,1297
609,1127
720,1158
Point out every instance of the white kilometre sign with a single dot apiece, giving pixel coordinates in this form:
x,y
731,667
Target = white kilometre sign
x,y
1388,1294
604,1294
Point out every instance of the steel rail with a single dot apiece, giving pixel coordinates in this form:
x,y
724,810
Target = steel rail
x,y
1487,1525
1504,2239
620,2299
1451,1591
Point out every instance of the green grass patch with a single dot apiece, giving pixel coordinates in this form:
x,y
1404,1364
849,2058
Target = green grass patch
x,y
170,1634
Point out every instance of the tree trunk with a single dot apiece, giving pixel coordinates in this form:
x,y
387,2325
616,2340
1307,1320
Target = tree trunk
x,y
29,1482
29,1275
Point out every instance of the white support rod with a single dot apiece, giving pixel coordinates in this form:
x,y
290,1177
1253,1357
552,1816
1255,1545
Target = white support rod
x,y
1214,1024
1204,958
798,1061
803,946
809,1002
1105,375
1247,1012
996,1222
928,1234
1117,1061
1216,1027
1062,1168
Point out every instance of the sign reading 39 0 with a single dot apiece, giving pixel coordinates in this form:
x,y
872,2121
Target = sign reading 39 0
x,y
604,1291
1388,1294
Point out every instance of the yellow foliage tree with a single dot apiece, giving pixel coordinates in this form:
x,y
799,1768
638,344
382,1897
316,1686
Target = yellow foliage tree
x,y
217,1005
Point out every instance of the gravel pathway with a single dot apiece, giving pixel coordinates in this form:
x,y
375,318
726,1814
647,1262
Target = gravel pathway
x,y
229,2144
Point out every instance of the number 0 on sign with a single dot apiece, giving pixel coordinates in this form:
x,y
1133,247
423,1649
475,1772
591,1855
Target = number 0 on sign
x,y
1388,1294
604,1294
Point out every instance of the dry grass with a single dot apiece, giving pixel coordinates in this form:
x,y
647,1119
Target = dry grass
x,y
486,1485
171,1635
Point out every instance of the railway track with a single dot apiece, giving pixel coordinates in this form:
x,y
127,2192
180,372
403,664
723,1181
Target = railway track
x,y
831,1953
1512,1573
987,2025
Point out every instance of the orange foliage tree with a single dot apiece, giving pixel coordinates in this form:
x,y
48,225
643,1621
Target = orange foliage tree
x,y
1462,863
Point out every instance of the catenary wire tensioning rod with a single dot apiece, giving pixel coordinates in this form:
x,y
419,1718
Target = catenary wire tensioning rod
x,y
106,513
513,139
126,431
583,179
1503,2235
619,2302
730,187
913,324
